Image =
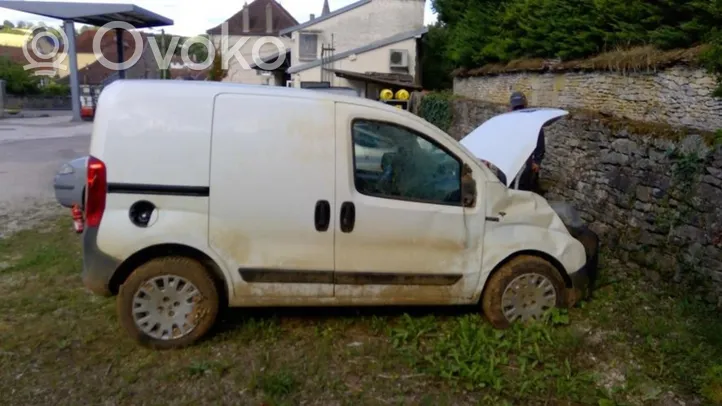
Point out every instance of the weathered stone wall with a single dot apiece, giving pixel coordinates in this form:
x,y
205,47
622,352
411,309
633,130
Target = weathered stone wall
x,y
654,201
676,96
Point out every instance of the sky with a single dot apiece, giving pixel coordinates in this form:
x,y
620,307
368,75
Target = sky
x,y
192,17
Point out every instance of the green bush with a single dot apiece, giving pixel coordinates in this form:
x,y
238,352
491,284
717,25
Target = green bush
x,y
436,109
18,81
56,89
712,385
498,31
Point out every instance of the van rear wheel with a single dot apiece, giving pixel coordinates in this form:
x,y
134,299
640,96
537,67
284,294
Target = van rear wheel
x,y
522,290
168,303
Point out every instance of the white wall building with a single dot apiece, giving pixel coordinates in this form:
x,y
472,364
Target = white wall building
x,y
367,45
255,22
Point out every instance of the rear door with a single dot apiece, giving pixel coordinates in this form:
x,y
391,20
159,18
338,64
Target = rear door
x,y
272,195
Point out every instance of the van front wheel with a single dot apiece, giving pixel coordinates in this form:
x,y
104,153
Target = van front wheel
x,y
168,303
522,290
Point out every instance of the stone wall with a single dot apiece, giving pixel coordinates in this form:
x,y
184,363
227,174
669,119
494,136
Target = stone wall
x,y
653,201
677,96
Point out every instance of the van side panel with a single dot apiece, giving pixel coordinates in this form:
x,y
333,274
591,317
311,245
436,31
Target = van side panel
x,y
155,143
272,161
149,138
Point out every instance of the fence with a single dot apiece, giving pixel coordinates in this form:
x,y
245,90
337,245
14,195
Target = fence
x,y
38,102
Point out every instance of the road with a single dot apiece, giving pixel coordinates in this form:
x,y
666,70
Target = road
x,y
31,151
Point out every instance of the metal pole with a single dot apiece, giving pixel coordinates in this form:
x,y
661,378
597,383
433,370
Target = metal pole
x,y
69,28
165,51
119,46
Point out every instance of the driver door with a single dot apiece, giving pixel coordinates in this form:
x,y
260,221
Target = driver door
x,y
402,234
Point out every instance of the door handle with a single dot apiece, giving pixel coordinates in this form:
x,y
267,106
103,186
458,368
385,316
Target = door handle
x,y
348,217
322,215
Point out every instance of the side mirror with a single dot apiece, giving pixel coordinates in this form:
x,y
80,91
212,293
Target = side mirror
x,y
468,187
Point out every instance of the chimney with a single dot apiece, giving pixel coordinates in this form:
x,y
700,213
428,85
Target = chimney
x,y
269,18
312,16
246,18
326,8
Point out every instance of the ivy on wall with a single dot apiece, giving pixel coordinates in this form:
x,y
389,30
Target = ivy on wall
x,y
436,108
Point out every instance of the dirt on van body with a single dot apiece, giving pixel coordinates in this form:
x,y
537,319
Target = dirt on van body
x,y
635,343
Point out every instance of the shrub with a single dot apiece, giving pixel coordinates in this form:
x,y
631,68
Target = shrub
x,y
435,108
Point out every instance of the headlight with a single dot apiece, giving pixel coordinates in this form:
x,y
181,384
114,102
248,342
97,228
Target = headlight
x,y
66,169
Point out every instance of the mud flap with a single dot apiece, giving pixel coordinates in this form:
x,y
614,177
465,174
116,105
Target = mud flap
x,y
590,241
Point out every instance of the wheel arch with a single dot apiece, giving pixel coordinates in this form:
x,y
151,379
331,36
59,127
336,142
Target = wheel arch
x,y
141,257
541,254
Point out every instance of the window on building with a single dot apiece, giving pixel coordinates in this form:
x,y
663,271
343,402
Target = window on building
x,y
308,47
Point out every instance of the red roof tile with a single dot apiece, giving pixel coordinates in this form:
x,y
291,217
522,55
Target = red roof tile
x,y
95,73
257,20
84,41
16,54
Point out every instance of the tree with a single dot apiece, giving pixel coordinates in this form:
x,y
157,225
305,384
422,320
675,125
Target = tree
x,y
435,63
486,31
8,24
217,73
18,80
198,50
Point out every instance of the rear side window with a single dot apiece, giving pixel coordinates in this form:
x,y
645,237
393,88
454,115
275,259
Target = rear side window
x,y
395,162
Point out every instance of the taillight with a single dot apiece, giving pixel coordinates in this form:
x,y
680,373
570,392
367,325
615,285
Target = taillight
x,y
95,192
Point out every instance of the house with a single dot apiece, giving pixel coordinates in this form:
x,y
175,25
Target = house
x,y
257,20
83,45
94,73
368,45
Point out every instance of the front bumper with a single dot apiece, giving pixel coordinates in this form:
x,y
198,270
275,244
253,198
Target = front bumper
x,y
584,280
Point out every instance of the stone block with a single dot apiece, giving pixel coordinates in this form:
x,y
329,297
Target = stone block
x,y
614,158
644,193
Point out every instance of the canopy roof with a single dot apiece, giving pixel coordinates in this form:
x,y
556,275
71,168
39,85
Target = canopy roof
x,y
97,14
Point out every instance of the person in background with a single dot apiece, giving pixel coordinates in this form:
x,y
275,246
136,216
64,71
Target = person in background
x,y
529,177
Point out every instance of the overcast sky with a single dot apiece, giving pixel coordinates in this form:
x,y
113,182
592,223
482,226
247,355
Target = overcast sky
x,y
194,17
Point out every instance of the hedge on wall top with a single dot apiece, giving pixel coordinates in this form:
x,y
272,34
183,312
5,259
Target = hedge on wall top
x,y
436,109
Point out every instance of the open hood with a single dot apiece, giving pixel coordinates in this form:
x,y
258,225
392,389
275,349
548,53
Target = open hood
x,y
507,140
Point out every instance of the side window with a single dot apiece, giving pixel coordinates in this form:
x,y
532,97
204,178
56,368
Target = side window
x,y
395,162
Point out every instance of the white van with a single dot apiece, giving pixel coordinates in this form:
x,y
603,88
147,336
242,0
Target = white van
x,y
203,194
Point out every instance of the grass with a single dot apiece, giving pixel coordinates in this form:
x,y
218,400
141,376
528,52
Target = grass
x,y
636,59
633,344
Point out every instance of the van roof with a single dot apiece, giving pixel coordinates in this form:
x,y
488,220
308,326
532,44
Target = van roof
x,y
155,87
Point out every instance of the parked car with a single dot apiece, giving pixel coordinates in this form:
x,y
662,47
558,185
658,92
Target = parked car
x,y
196,198
69,183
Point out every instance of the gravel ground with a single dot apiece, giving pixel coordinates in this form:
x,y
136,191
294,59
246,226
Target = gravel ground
x,y
31,151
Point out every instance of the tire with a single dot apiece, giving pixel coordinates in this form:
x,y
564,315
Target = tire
x,y
528,269
200,303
